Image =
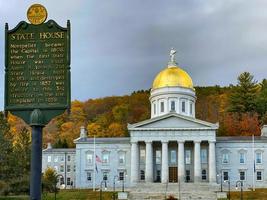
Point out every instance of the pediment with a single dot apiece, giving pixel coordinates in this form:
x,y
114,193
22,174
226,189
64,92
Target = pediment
x,y
173,121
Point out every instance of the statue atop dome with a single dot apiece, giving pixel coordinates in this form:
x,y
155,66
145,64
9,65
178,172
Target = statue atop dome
x,y
172,61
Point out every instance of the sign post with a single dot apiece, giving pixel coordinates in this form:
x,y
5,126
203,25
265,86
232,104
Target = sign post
x,y
37,78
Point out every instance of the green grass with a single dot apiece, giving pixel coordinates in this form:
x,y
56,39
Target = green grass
x,y
83,194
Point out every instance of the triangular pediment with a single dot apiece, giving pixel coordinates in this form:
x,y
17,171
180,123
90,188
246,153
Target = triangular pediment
x,y
172,121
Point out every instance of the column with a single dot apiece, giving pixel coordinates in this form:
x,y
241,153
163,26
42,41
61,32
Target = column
x,y
197,163
165,164
134,162
212,162
181,166
149,162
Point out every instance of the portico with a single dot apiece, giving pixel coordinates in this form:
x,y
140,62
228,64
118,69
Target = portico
x,y
170,154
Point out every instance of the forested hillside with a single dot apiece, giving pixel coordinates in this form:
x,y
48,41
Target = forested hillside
x,y
240,110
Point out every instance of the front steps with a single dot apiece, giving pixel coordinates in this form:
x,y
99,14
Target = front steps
x,y
188,191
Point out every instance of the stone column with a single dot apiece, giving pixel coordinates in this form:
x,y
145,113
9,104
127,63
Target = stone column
x,y
134,162
212,162
197,162
149,162
181,166
165,163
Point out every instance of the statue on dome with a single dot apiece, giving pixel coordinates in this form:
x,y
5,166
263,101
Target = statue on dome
x,y
172,55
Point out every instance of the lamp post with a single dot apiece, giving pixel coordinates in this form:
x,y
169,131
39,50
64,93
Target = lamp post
x,y
229,188
241,188
57,176
114,182
221,179
123,181
103,181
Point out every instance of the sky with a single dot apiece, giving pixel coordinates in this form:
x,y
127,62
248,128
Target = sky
x,y
119,46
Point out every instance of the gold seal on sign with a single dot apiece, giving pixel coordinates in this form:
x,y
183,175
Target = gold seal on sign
x,y
36,14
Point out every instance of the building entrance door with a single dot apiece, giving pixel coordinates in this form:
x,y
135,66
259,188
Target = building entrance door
x,y
187,176
173,174
158,176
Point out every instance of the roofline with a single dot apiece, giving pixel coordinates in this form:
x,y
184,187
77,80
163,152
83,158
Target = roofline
x,y
148,121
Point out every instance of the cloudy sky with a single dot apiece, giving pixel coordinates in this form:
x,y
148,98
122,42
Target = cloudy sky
x,y
118,46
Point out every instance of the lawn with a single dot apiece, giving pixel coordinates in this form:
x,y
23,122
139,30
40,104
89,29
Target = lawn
x,y
258,194
84,194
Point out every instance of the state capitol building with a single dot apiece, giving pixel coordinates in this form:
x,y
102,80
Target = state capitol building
x,y
172,146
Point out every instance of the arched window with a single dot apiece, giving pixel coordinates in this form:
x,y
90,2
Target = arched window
x,y
183,106
173,106
162,106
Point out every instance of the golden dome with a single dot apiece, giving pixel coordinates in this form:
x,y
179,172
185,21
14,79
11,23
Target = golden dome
x,y
172,76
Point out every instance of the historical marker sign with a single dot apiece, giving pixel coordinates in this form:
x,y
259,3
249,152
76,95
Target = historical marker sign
x,y
37,78
37,69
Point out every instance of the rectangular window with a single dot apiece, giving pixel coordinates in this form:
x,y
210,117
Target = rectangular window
x,y
155,111
258,157
122,158
105,157
187,157
69,157
259,175
173,156
48,158
242,158
105,176
204,174
225,158
204,156
225,176
183,106
61,168
68,181
191,108
89,158
142,155
161,106
242,175
68,168
61,181
56,159
172,105
62,159
89,176
158,157
142,175
121,176
74,168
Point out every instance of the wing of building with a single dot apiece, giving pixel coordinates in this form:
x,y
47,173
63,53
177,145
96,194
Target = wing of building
x,y
171,146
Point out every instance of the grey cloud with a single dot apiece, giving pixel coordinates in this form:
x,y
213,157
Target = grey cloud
x,y
119,46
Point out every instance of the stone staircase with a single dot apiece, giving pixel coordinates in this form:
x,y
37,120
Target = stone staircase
x,y
188,191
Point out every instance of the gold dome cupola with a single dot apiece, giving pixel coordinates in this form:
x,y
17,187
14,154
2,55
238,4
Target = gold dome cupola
x,y
172,76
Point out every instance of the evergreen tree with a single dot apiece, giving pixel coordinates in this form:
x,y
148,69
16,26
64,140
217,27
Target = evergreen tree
x,y
261,101
243,98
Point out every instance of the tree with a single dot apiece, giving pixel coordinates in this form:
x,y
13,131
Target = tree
x,y
95,129
49,179
243,97
6,171
22,152
116,130
261,101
